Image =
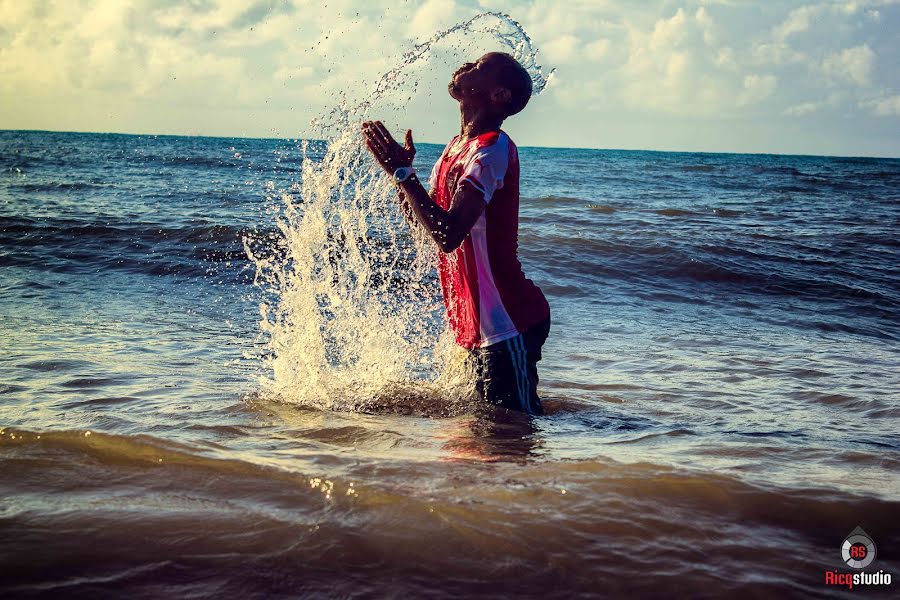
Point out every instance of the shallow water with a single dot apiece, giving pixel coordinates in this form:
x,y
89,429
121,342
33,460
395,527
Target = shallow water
x,y
721,383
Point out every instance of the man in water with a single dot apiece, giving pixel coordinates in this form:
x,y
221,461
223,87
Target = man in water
x,y
472,214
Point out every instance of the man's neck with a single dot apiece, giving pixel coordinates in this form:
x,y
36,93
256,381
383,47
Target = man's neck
x,y
474,122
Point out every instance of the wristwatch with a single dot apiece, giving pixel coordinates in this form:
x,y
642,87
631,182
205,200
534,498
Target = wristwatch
x,y
404,173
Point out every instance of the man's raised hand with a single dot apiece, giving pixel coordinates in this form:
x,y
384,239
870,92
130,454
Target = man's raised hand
x,y
389,154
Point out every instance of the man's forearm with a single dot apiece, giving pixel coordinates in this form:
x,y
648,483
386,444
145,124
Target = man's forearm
x,y
438,222
406,210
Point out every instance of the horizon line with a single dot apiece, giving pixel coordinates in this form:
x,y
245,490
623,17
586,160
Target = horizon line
x,y
291,138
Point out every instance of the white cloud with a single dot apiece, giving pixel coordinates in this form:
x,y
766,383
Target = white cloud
x,y
431,16
849,8
796,22
706,23
778,53
883,107
725,58
667,66
597,50
850,65
562,49
757,88
799,110
668,33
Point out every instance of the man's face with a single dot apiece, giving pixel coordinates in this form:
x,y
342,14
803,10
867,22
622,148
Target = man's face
x,y
474,81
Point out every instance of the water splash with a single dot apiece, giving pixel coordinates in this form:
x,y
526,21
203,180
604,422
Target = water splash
x,y
352,316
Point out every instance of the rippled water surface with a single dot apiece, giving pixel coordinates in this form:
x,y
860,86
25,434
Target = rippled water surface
x,y
722,383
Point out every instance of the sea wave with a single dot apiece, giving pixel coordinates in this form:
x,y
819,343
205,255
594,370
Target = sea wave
x,y
146,506
73,245
60,186
756,270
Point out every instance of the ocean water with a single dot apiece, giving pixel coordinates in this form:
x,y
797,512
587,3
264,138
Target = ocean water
x,y
722,381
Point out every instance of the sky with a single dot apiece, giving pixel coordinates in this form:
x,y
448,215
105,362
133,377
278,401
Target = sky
x,y
689,75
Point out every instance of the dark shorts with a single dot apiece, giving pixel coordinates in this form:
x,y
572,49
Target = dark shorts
x,y
506,372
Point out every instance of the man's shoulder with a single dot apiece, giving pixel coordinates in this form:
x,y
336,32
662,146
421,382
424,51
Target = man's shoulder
x,y
496,143
495,138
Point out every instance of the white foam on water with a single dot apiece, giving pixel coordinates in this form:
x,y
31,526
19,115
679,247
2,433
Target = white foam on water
x,y
352,317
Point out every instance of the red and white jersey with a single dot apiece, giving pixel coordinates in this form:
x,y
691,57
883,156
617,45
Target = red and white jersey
x,y
487,296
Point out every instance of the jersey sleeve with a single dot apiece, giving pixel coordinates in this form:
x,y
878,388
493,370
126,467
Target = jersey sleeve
x,y
486,169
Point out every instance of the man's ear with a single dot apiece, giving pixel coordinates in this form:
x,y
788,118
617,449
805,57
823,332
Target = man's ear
x,y
501,95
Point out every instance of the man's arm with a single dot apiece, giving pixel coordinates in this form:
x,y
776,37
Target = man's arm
x,y
448,228
406,209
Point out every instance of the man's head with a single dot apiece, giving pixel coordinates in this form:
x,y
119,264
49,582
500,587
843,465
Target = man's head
x,y
496,81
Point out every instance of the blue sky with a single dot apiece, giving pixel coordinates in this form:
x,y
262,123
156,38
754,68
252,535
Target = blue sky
x,y
782,77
